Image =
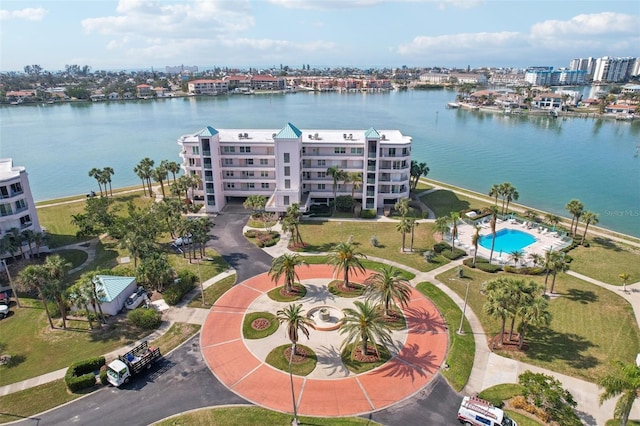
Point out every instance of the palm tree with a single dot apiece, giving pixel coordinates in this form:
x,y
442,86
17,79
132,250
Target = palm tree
x,y
356,182
293,316
403,226
173,168
536,259
107,172
494,219
285,265
494,192
364,324
78,298
159,174
558,264
402,206
56,268
498,301
337,174
534,313
516,255
291,223
575,208
414,223
344,258
441,225
29,236
626,382
588,217
388,287
96,173
552,219
143,170
624,278
35,276
511,194
507,191
454,216
475,239
417,171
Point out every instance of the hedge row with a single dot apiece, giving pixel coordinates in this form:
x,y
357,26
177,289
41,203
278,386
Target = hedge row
x,y
81,375
368,214
175,292
147,319
536,270
483,265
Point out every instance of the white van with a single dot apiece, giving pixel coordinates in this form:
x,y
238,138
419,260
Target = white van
x,y
478,412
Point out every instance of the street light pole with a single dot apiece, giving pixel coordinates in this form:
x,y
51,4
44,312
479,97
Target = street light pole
x,y
201,285
293,395
464,309
13,290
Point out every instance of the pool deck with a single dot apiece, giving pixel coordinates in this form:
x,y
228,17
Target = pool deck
x,y
544,240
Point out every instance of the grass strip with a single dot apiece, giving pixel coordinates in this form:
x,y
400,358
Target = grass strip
x,y
213,292
25,403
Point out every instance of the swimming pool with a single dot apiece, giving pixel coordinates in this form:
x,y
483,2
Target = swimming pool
x,y
507,240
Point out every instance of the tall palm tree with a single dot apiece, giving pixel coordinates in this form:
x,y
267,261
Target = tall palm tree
x,y
624,278
173,168
575,208
475,239
35,276
291,223
96,173
536,258
355,178
505,189
143,170
389,288
107,172
417,171
552,219
511,194
414,223
498,302
494,192
589,218
558,264
516,255
293,316
403,226
345,258
441,226
625,382
402,206
285,266
57,268
535,313
78,297
492,223
454,217
365,324
337,174
159,174
95,295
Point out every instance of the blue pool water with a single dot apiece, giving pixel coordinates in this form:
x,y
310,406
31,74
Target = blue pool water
x,y
507,240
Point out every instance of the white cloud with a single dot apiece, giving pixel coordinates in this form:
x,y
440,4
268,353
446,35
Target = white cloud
x,y
593,24
348,4
425,45
29,14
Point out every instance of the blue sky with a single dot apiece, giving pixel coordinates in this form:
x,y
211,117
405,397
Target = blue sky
x,y
129,34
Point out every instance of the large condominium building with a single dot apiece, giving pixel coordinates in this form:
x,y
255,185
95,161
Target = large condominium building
x,y
290,165
17,209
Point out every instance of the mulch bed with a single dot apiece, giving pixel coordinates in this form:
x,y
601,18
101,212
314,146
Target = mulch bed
x,y
260,324
370,356
507,345
300,356
296,291
353,287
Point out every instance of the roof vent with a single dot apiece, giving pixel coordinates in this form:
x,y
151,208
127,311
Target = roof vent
x,y
273,135
383,137
350,135
344,136
246,135
310,136
239,135
316,137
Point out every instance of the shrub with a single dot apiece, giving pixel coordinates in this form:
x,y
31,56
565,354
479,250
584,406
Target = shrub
x,y
456,254
344,203
368,214
183,285
429,255
103,375
440,247
374,241
483,265
147,319
81,375
251,233
524,271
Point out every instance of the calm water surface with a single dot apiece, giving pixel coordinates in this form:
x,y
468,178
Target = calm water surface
x,y
549,161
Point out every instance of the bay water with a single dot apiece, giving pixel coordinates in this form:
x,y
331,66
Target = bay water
x,y
549,160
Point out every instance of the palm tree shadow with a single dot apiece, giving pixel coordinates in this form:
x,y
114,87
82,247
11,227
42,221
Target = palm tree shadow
x,y
318,294
410,362
420,321
329,359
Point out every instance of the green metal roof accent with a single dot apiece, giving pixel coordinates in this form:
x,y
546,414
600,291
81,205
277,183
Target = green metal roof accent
x,y
207,131
112,286
289,132
372,134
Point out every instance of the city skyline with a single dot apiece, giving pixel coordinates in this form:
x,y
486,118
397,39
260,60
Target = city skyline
x,y
131,34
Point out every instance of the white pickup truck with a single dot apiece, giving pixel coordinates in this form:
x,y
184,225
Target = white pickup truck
x,y
133,362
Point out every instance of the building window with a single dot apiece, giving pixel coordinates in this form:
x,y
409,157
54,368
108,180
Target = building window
x,y
286,200
209,187
322,175
321,186
3,192
287,158
287,170
228,161
20,205
405,151
339,150
248,162
264,185
208,175
251,185
246,149
228,149
264,162
304,149
195,150
357,151
247,174
25,220
230,185
5,209
287,184
322,163
306,175
392,152
228,173
264,174
211,200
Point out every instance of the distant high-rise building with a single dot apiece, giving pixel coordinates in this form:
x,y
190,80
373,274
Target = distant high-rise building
x,y
181,69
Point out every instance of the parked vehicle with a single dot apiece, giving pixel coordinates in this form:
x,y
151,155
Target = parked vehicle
x,y
133,362
474,411
136,298
4,309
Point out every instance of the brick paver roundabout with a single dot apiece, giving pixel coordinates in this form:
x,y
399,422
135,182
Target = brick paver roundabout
x,y
330,390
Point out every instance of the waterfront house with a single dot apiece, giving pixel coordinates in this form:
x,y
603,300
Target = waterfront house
x,y
144,90
207,87
547,101
290,165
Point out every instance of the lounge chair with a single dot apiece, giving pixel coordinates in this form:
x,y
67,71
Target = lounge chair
x,y
524,224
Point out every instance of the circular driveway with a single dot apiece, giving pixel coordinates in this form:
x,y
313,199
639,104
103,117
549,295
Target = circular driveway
x,y
240,365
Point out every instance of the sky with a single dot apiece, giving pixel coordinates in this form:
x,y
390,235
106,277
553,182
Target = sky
x,y
145,34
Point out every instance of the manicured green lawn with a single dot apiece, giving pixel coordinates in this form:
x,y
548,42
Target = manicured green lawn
x,y
213,292
444,201
591,326
323,236
605,260
233,416
499,393
369,264
277,359
175,336
461,347
523,420
16,406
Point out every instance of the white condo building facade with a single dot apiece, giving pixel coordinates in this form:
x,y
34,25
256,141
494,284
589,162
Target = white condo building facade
x,y
290,165
17,208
